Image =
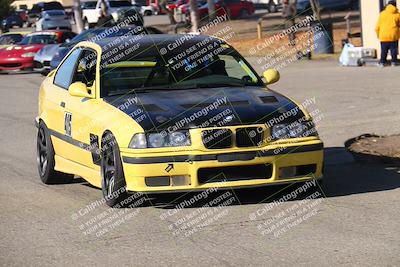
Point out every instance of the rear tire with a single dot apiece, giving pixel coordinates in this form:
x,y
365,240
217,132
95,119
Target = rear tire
x,y
272,8
113,183
45,159
244,13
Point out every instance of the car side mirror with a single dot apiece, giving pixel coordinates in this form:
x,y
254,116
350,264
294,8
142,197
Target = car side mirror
x,y
79,89
271,76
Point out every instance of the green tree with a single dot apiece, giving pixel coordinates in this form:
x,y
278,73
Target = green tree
x,y
5,8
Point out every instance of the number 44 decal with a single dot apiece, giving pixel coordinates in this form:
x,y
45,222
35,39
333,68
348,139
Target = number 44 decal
x,y
67,123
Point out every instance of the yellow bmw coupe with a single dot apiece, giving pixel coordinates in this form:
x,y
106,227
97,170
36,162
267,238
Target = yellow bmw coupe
x,y
166,113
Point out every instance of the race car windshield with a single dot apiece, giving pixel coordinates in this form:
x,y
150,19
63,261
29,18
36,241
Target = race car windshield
x,y
10,39
223,70
39,39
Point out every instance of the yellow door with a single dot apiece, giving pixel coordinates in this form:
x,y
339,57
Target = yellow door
x,y
59,122
81,110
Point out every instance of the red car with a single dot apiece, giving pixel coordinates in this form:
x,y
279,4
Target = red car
x,y
20,56
177,4
234,8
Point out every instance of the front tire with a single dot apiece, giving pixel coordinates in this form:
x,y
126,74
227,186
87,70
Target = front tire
x,y
113,183
45,159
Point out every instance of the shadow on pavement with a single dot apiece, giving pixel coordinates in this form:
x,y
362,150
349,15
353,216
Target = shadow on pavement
x,y
346,178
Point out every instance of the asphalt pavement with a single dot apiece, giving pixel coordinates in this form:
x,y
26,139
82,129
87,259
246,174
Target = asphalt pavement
x,y
355,221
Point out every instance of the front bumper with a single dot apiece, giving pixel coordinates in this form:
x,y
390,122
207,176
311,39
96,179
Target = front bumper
x,y
41,66
250,168
16,64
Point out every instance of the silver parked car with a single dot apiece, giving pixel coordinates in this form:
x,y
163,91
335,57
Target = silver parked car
x,y
41,61
52,20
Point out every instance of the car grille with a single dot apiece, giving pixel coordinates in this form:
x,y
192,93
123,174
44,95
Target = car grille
x,y
46,63
10,65
37,64
222,138
217,138
234,173
248,137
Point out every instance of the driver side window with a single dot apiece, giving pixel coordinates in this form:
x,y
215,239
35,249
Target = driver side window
x,y
63,77
85,70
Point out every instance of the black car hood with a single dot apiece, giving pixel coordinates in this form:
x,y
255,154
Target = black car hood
x,y
198,108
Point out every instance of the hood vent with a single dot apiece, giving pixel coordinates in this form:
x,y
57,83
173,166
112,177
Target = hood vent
x,y
268,99
151,108
227,104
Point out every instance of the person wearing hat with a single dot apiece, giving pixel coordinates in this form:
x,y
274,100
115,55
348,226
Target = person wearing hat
x,y
388,32
105,19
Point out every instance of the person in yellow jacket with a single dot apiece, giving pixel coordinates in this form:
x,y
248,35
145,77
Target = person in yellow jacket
x,y
388,32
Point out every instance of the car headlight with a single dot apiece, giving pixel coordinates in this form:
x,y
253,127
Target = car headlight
x,y
293,130
156,140
164,139
29,54
138,141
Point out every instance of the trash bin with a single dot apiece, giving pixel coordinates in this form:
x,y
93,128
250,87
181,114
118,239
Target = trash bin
x,y
323,38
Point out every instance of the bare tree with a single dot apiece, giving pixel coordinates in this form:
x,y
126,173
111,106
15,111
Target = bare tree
x,y
78,16
194,15
211,9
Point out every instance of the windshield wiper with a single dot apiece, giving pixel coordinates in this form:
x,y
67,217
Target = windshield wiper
x,y
195,86
176,87
137,90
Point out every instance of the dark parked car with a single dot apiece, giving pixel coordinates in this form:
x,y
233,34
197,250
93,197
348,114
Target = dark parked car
x,y
13,20
38,8
303,6
133,14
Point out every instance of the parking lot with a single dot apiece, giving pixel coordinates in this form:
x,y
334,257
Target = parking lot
x,y
355,223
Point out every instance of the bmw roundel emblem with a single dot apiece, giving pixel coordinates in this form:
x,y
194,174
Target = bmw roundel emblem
x,y
228,118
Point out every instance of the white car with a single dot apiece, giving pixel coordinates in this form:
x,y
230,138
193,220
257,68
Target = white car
x,y
91,16
146,10
53,20
271,5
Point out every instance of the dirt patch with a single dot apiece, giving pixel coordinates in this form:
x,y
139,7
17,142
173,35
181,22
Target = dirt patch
x,y
375,148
